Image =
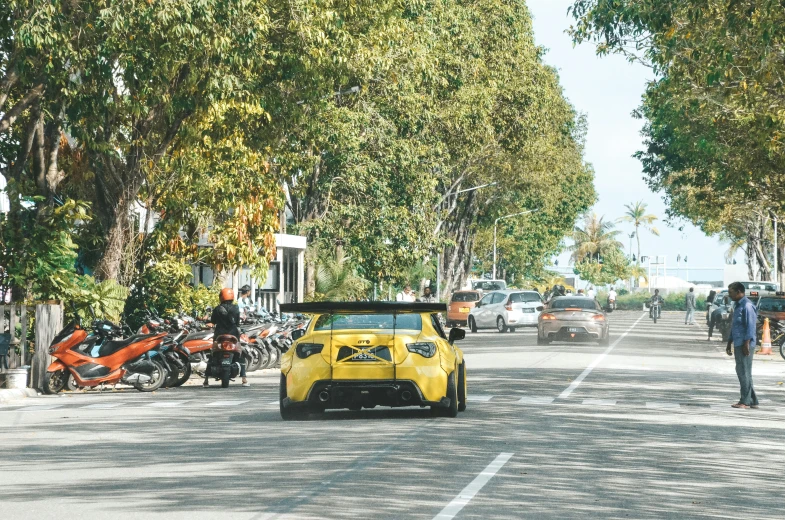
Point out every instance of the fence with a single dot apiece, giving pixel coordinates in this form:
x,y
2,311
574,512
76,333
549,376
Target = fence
x,y
18,323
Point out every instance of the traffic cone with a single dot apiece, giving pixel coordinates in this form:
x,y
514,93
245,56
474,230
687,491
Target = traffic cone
x,y
765,347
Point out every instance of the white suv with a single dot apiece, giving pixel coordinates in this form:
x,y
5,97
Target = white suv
x,y
506,310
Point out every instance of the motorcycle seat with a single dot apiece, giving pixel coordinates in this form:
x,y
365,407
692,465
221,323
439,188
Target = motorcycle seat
x,y
112,346
203,334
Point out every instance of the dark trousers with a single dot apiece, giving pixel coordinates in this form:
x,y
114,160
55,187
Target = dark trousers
x,y
744,372
713,322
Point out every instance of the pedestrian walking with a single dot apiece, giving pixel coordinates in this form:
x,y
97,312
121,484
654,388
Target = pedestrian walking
x,y
716,316
689,302
591,293
743,339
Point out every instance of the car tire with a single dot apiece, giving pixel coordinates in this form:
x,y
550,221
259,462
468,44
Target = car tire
x,y
510,329
452,395
287,413
541,341
472,324
462,396
606,340
501,325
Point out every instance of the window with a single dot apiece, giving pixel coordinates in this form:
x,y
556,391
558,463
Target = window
x,y
772,305
487,299
525,297
498,297
465,297
574,303
368,322
489,285
437,324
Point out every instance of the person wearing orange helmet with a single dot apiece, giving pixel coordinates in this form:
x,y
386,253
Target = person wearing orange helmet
x,y
226,318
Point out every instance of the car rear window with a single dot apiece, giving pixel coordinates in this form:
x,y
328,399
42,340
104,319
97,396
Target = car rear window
x,y
574,303
368,322
489,286
523,297
465,297
772,304
759,286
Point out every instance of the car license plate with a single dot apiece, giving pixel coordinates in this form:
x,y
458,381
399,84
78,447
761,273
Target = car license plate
x,y
226,361
574,329
464,309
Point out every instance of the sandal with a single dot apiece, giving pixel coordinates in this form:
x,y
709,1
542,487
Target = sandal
x,y
739,405
754,406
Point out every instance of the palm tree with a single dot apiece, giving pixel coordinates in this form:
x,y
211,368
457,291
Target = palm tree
x,y
337,279
595,238
636,215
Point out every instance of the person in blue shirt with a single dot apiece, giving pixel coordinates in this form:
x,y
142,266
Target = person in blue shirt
x,y
743,339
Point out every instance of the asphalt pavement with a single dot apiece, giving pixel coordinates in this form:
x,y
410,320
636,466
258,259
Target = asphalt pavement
x,y
642,428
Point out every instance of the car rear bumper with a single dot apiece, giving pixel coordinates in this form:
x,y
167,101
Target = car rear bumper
x,y
523,319
332,394
560,331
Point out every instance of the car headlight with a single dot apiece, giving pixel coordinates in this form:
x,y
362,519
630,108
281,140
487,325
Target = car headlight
x,y
425,349
305,350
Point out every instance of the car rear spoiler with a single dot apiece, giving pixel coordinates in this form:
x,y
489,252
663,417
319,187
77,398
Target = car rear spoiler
x,y
362,307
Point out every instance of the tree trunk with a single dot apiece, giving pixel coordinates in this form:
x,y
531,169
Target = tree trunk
x,y
108,267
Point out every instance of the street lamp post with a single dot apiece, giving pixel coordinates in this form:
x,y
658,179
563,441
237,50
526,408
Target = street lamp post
x,y
632,235
495,223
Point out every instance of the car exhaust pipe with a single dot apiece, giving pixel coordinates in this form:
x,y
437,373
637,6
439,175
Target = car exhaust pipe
x,y
324,396
406,395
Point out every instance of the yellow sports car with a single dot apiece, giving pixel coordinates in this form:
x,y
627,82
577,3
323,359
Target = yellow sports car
x,y
362,354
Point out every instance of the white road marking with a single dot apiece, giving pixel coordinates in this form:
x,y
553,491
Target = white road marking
x,y
536,400
600,402
663,406
474,487
166,404
39,407
479,398
225,403
566,393
101,406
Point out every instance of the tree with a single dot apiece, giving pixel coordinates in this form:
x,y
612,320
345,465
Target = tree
x,y
636,215
594,240
613,266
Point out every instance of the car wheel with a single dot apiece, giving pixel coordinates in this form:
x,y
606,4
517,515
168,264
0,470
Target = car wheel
x,y
287,413
501,326
606,340
452,394
462,387
541,341
511,329
472,324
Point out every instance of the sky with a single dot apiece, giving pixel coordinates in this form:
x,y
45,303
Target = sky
x,y
608,89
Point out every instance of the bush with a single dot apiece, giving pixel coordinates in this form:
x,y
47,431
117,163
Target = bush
x,y
635,301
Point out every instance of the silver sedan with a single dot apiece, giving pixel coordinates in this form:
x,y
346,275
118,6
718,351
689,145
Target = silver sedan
x,y
573,318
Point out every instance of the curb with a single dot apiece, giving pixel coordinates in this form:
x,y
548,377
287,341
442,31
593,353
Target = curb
x,y
14,394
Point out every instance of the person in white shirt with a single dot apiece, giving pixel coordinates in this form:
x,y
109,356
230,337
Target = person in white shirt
x,y
612,298
612,294
407,295
591,293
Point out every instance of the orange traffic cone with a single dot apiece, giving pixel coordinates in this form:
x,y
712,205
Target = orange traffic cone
x,y
765,347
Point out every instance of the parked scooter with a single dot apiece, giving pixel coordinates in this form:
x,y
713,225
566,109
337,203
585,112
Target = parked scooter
x,y
224,359
100,358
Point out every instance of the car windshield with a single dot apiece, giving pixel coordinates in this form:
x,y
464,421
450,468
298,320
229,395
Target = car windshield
x,y
485,285
772,304
523,297
465,297
573,303
759,286
368,322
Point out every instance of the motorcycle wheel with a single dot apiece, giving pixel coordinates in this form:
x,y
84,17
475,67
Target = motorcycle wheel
x,y
782,348
159,376
275,357
182,375
71,384
226,375
256,360
54,382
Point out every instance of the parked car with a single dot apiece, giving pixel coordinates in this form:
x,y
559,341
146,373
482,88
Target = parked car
x,y
489,285
772,307
573,318
755,290
506,310
461,303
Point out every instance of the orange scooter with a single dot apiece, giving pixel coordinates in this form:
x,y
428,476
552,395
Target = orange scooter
x,y
97,358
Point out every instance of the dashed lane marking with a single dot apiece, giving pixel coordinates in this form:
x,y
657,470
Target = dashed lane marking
x,y
479,398
466,495
566,393
663,406
536,400
39,407
600,402
225,403
166,404
103,406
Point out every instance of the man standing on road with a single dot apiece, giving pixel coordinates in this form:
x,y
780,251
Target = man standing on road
x,y
407,295
427,296
689,302
743,339
591,293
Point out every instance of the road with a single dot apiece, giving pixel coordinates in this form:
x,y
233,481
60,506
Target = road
x,y
640,429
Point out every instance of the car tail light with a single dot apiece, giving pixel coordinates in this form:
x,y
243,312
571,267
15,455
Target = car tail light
x,y
598,317
304,350
508,306
227,345
547,317
424,348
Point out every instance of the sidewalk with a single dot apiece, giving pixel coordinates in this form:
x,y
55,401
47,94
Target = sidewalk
x,y
8,395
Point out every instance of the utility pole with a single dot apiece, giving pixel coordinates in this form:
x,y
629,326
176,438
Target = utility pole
x,y
776,251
